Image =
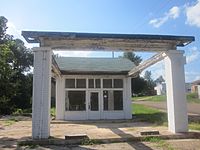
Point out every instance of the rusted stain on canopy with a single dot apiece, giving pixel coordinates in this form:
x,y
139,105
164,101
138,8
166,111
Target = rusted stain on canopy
x,y
102,41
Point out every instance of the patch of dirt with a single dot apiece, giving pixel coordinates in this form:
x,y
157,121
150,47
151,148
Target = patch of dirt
x,y
185,144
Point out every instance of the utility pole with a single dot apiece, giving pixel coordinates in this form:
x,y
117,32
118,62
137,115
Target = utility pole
x,y
113,54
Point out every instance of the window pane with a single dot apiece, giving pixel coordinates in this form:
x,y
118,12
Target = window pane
x,y
97,83
118,83
91,83
118,100
75,101
94,101
112,100
70,83
107,83
81,83
105,100
108,100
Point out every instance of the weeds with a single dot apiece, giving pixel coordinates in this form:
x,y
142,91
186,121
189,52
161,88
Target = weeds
x,y
87,141
53,112
10,122
194,126
160,142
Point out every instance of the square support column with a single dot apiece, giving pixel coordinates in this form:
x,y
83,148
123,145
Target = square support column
x,y
41,93
176,95
128,96
60,98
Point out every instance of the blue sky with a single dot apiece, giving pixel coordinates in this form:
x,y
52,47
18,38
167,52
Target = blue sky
x,y
174,17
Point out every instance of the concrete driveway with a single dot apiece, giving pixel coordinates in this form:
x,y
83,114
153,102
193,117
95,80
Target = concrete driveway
x,y
107,131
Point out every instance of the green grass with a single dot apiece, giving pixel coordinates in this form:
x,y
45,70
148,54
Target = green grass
x,y
191,98
141,109
156,98
146,114
53,112
155,116
160,143
194,126
10,121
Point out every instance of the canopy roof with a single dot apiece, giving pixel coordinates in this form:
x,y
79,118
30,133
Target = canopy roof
x,y
104,41
81,65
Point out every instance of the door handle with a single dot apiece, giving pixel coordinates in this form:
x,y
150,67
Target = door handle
x,y
89,106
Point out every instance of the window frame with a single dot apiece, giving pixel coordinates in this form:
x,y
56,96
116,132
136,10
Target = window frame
x,y
77,90
101,89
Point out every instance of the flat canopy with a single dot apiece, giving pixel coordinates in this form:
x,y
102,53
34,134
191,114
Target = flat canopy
x,y
80,65
104,41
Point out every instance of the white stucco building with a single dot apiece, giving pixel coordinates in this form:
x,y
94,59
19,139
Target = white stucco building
x,y
112,87
93,88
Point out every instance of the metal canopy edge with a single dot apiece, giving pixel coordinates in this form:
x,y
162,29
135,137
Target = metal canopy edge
x,y
35,36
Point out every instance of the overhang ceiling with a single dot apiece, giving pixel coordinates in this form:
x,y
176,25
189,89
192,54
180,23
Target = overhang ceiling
x,y
102,41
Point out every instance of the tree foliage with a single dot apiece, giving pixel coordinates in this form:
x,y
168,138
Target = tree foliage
x,y
15,62
140,85
133,57
150,83
159,80
3,28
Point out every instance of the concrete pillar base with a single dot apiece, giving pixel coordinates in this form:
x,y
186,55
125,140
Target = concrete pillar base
x,y
176,96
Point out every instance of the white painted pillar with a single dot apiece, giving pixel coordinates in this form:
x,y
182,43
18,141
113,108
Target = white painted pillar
x,y
41,93
60,98
198,89
128,96
176,96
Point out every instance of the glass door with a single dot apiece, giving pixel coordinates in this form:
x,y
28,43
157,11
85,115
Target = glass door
x,y
93,105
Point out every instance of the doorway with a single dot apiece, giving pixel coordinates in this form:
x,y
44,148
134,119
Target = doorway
x,y
94,105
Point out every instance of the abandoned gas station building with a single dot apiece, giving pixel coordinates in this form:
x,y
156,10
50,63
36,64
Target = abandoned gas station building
x,y
100,88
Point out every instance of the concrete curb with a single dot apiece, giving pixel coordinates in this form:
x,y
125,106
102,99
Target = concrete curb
x,y
54,141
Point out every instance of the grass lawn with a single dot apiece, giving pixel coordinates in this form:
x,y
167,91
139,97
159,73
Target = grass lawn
x,y
191,98
156,98
147,114
151,115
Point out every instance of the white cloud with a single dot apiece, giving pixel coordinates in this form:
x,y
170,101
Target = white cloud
x,y
193,14
197,78
191,76
73,53
193,54
173,13
12,30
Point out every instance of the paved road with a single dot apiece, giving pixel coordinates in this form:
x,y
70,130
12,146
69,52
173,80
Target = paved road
x,y
193,108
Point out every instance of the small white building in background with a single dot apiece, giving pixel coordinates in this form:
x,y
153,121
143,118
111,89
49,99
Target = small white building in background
x,y
160,88
93,88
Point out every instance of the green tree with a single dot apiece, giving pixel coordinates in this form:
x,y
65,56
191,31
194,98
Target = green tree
x,y
133,57
150,83
138,84
6,86
15,62
3,28
160,80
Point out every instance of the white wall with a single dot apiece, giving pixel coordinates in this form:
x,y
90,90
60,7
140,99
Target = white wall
x,y
126,113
